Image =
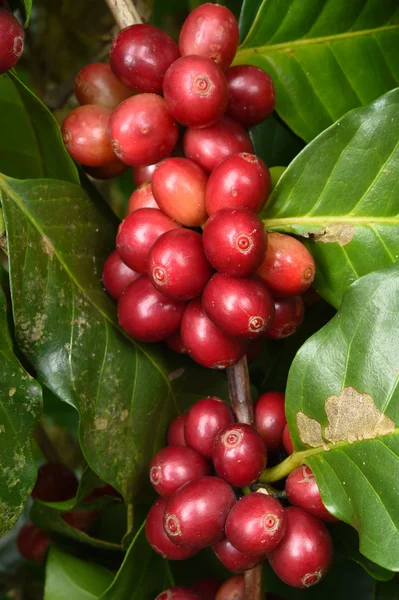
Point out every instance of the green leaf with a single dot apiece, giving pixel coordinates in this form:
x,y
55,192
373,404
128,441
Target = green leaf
x,y
28,10
68,577
126,393
341,193
274,142
20,401
342,405
325,57
143,573
31,144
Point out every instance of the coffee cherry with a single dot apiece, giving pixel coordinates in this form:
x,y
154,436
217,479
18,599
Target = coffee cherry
x,y
55,483
287,442
288,268
173,466
138,232
142,197
305,553
206,588
203,422
179,187
117,276
270,419
256,524
206,343
241,180
85,134
196,514
147,315
239,307
232,589
210,30
233,559
239,454
108,171
156,535
210,145
178,593
252,95
288,317
96,84
177,265
195,91
234,241
144,174
142,130
12,39
303,491
32,543
174,342
176,435
141,55
80,520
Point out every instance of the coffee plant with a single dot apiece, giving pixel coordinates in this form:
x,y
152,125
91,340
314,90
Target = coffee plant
x,y
199,300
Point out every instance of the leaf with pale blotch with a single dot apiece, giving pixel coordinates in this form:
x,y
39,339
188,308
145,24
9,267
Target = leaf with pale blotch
x,y
21,402
342,404
341,194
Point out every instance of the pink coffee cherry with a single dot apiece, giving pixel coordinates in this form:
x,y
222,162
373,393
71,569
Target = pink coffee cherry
x,y
303,491
96,84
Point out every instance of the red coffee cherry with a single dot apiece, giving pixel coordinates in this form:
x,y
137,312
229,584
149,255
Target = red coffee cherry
x,y
233,559
241,180
174,342
252,95
210,30
32,543
147,315
210,145
85,135
303,491
207,588
176,435
239,454
270,419
179,188
156,535
141,55
206,343
177,265
203,422
288,268
287,442
256,524
12,39
234,241
81,520
238,306
142,197
195,91
232,589
288,317
142,130
108,171
196,514
178,593
138,232
117,276
96,84
144,174
55,483
173,466
305,553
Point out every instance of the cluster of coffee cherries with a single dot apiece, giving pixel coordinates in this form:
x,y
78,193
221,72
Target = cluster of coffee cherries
x,y
12,38
57,483
203,477
214,293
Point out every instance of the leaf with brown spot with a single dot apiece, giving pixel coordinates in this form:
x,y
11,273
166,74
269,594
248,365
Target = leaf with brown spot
x,y
342,405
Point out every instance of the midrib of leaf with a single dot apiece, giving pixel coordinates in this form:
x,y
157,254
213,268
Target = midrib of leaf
x,y
286,46
10,192
321,220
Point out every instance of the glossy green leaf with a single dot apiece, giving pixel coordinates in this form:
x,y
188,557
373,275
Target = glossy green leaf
x,y
28,10
341,193
342,406
143,573
274,142
69,578
31,144
325,57
20,402
126,393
